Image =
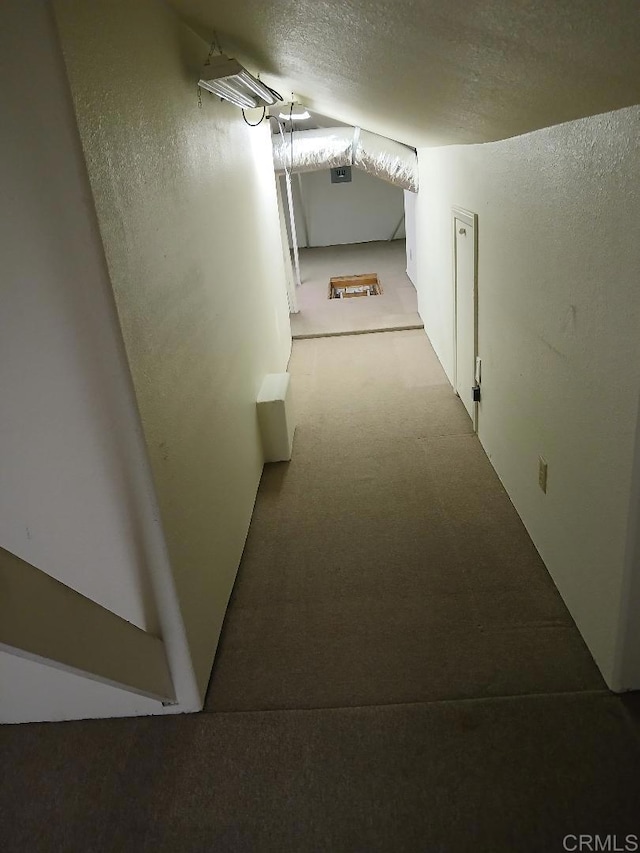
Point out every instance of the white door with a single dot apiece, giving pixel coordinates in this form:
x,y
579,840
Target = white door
x,y
465,301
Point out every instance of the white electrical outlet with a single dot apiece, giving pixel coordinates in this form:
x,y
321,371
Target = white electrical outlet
x,y
542,474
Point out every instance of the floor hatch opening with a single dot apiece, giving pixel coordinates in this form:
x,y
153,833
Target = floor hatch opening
x,y
348,286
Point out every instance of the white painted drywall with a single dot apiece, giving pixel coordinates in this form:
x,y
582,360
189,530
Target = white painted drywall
x,y
186,202
559,320
628,646
362,211
410,200
76,496
33,692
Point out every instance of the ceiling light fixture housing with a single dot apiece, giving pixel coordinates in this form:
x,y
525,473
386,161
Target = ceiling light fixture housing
x,y
298,114
229,80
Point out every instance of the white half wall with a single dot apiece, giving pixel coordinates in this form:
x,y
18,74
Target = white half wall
x,y
364,210
186,202
76,495
559,321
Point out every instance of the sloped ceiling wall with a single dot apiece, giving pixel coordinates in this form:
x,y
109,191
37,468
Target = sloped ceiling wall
x,y
433,72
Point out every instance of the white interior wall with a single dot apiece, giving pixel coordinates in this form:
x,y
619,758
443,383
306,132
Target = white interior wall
x,y
35,692
628,647
186,202
559,314
364,210
76,496
410,201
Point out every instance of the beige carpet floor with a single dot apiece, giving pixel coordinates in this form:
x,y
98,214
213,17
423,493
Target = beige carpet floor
x,y
499,776
396,308
397,671
385,563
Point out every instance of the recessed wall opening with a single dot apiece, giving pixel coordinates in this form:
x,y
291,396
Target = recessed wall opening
x,y
348,286
345,205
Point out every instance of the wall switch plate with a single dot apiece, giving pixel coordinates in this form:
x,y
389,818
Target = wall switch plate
x,y
542,474
478,370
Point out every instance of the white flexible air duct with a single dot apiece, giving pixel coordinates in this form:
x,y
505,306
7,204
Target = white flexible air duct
x,y
386,159
332,147
312,150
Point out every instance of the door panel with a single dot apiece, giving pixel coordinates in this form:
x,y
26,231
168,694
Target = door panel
x,y
465,313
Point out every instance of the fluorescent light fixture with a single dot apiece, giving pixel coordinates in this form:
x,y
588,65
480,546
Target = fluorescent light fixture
x,y
296,116
227,79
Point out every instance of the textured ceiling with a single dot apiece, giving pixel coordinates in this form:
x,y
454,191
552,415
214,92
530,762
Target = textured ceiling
x,y
430,72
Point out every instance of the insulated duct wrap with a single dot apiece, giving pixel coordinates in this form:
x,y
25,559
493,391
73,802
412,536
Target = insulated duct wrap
x,y
327,148
388,160
330,148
